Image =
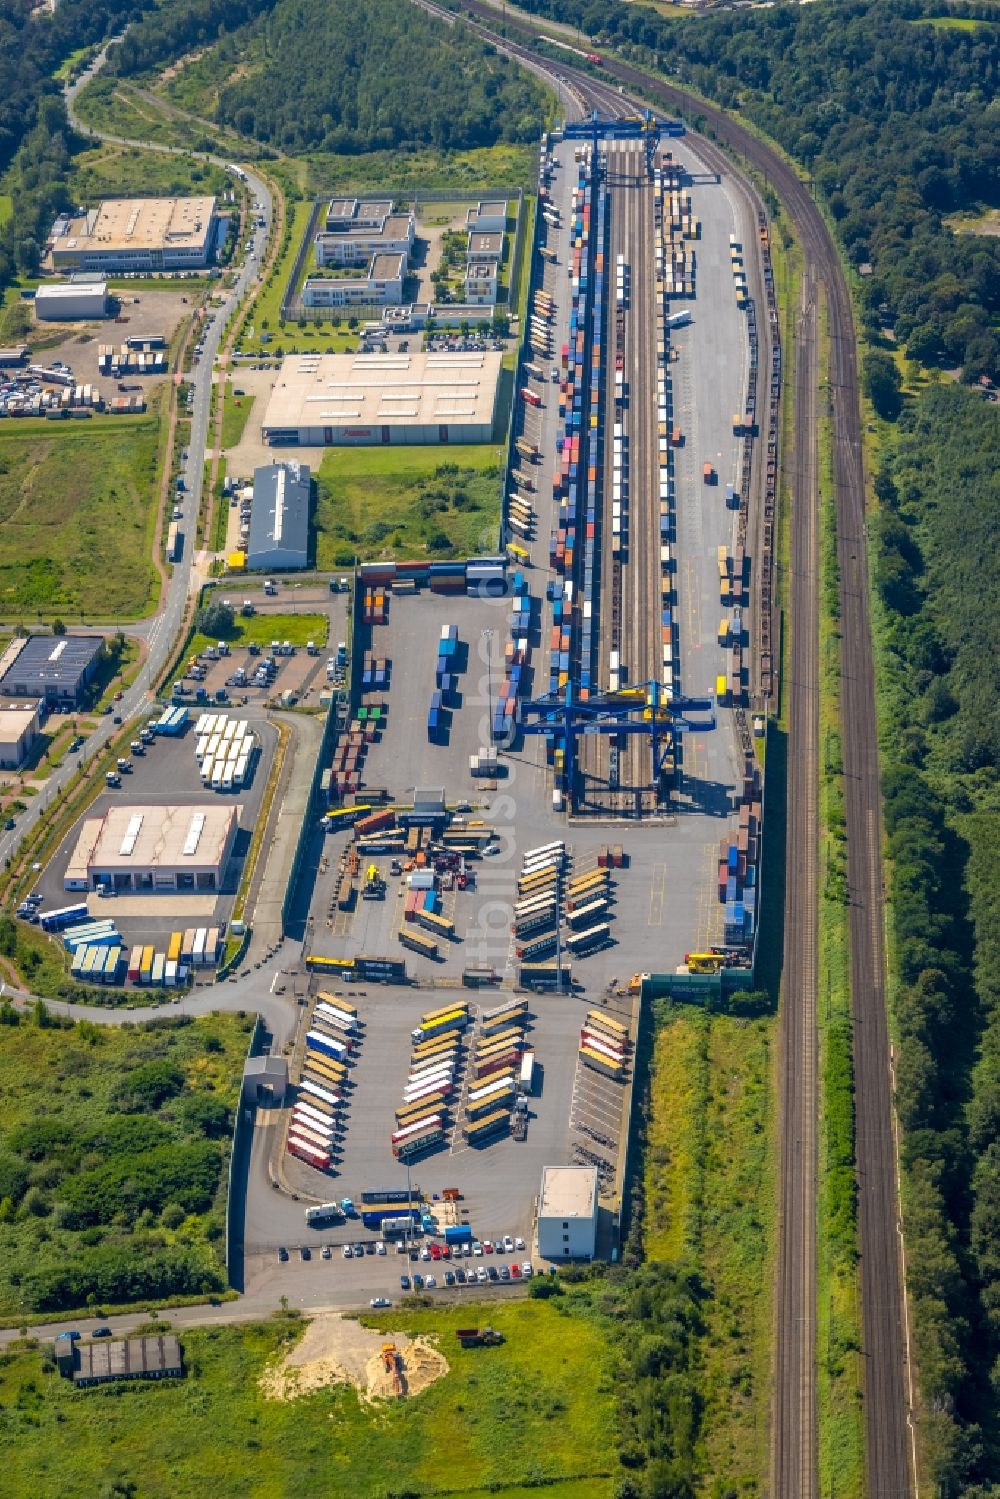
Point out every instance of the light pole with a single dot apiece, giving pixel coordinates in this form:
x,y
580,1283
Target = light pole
x,y
488,637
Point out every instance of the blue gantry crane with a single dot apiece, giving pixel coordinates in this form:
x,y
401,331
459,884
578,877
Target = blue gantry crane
x,y
641,709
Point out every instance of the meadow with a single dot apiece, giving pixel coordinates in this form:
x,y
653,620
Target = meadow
x,y
77,512
407,502
539,1410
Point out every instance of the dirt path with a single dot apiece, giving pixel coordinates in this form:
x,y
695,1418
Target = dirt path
x,y
336,1350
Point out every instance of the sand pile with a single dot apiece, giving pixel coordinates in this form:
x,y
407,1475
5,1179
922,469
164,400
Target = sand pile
x,y
338,1351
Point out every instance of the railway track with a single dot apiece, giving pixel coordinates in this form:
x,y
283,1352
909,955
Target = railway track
x,y
890,1457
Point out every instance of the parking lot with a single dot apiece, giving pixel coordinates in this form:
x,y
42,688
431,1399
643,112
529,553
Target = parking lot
x,y
167,773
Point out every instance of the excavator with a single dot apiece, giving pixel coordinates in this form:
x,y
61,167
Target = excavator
x,y
391,1360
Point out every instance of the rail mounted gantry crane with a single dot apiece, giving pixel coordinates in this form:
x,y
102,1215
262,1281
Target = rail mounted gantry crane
x,y
641,709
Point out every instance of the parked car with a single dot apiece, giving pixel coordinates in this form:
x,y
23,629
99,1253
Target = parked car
x,y
379,1301
404,1282
101,1332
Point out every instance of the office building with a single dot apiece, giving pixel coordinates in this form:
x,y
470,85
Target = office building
x,y
567,1213
137,234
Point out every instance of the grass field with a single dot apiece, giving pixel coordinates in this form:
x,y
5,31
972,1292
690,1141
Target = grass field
x,y
77,510
84,1073
709,1194
261,629
537,1410
235,414
125,170
400,501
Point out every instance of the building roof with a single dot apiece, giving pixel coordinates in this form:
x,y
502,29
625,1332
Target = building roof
x,y
315,390
568,1192
391,267
140,224
15,720
128,1358
279,517
392,226
70,290
138,836
490,243
481,270
48,660
352,208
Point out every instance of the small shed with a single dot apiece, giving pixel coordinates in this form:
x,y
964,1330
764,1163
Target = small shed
x,y
265,1080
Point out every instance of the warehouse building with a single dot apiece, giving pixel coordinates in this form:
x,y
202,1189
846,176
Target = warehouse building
x,y
54,668
323,400
567,1213
487,218
67,300
380,286
19,730
343,214
279,517
136,234
481,283
393,235
154,849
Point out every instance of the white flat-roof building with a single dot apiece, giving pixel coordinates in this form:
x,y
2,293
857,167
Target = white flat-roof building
x,y
356,213
363,399
484,247
392,235
155,848
488,217
481,283
136,234
19,730
380,286
66,300
567,1213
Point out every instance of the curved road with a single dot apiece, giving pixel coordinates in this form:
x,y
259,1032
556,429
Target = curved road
x,y
162,629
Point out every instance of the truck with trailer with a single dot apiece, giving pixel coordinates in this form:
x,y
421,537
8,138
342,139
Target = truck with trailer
x,y
536,975
417,1138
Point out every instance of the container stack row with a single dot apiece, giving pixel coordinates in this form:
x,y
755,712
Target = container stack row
x,y
97,952
350,748
666,183
739,866
437,1051
378,578
491,1099
331,1043
516,660
604,1045
195,947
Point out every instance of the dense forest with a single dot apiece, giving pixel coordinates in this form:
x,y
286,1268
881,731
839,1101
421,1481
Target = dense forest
x,y
112,1193
896,118
34,145
371,75
936,531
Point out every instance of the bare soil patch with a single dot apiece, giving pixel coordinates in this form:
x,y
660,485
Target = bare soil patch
x,y
339,1351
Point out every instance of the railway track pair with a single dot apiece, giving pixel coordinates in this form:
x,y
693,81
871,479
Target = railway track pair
x,y
889,1446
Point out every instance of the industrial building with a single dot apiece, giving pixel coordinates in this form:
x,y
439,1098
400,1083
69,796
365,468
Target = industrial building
x,y
321,400
19,730
393,234
279,517
380,286
137,234
485,247
567,1213
53,668
66,300
487,218
343,214
265,1080
155,848
119,1358
481,283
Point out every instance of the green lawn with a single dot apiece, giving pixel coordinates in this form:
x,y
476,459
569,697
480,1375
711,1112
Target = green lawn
x,y
261,629
537,1409
401,501
77,510
235,413
62,1222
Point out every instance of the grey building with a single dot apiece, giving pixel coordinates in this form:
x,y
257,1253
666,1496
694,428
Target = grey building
x,y
127,1358
279,517
265,1080
53,668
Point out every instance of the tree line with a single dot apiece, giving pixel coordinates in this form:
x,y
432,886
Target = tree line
x,y
333,77
935,537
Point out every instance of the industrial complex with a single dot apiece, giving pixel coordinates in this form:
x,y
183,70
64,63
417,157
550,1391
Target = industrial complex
x,y
338,399
154,848
136,234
